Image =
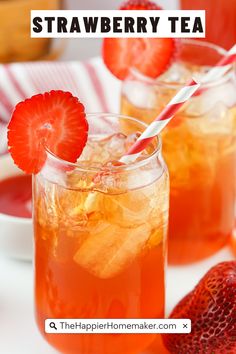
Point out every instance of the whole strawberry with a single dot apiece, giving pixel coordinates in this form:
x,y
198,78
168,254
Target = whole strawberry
x,y
212,308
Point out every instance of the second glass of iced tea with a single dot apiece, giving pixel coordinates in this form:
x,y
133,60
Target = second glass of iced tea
x,y
100,233
199,146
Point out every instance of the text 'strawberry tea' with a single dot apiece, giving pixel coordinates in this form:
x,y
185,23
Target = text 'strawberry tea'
x,y
199,146
100,229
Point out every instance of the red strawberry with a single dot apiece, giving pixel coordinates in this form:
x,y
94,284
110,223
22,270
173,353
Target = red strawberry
x,y
54,120
139,5
150,56
212,308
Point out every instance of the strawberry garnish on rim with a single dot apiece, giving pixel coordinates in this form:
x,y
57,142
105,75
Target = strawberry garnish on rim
x,y
150,56
55,121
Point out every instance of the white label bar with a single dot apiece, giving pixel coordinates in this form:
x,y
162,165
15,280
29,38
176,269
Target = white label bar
x,y
91,326
117,23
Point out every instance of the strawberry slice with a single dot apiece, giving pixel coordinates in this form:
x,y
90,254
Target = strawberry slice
x,y
212,308
150,56
54,120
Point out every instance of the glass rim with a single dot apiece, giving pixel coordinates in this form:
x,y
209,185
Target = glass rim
x,y
122,168
168,84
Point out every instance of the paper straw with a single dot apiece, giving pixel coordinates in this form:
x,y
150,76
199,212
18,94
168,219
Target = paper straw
x,y
175,104
161,121
221,67
218,70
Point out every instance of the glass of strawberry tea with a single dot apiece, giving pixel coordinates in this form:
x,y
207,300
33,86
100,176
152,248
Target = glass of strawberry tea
x,y
100,231
100,225
199,147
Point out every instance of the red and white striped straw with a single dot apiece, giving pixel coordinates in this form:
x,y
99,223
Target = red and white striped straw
x,y
161,121
218,70
175,104
221,67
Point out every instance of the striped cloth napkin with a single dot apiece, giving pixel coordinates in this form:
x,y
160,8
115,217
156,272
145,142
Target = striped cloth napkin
x,y
90,81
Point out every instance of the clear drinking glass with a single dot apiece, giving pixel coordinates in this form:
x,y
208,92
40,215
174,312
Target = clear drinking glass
x,y
100,238
199,147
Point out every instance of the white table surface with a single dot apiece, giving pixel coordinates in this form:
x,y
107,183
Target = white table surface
x,y
18,332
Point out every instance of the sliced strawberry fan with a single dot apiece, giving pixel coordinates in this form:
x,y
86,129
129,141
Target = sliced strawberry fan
x,y
150,56
55,121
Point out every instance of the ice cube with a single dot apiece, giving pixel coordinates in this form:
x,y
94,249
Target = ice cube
x,y
157,235
93,202
61,208
143,177
47,205
159,203
200,105
111,249
225,93
116,146
177,73
77,207
217,120
94,152
183,153
100,150
127,210
131,208
141,94
88,150
79,179
193,149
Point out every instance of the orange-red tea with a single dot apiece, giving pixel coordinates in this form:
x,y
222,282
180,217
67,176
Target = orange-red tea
x,y
199,148
99,245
